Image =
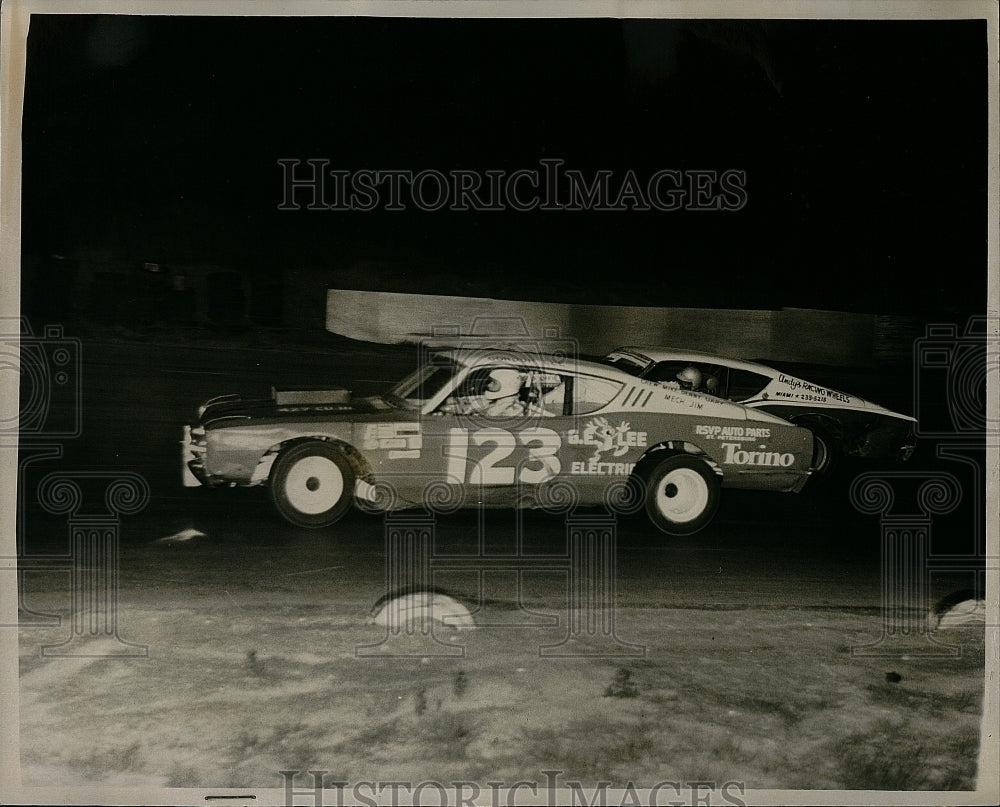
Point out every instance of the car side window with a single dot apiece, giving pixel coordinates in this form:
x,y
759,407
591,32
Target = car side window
x,y
664,371
667,372
508,391
545,393
492,391
591,393
744,384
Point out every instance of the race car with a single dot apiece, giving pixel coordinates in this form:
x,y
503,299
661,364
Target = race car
x,y
501,428
842,424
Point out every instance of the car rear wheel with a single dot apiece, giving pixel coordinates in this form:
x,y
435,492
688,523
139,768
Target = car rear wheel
x,y
826,449
822,453
682,495
312,484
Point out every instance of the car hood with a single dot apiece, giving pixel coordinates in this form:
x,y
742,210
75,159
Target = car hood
x,y
293,405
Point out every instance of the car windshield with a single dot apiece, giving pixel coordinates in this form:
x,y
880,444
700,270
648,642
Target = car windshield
x,y
422,384
631,363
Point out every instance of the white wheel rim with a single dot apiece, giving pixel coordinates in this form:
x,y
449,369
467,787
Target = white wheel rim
x,y
682,495
314,485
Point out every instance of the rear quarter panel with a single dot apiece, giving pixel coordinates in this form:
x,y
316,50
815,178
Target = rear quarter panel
x,y
764,453
750,454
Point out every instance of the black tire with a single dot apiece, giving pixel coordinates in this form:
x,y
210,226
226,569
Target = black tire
x,y
826,450
823,453
682,495
312,484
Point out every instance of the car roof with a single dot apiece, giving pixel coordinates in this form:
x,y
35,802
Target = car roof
x,y
658,354
471,357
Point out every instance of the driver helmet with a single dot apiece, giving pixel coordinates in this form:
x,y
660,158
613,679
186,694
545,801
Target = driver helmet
x,y
502,383
690,378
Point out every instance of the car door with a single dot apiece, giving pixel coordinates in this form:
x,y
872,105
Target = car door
x,y
492,449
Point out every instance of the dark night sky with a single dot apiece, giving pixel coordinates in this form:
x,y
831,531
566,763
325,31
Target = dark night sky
x,y
864,143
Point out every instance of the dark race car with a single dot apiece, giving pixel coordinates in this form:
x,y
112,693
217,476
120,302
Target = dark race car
x,y
497,429
843,425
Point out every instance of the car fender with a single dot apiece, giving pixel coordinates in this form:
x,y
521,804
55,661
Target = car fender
x,y
655,454
828,423
359,463
245,456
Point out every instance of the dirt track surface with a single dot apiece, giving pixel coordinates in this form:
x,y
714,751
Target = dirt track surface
x,y
241,685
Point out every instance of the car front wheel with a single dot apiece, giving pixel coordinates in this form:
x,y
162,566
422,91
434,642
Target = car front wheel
x,y
312,484
682,495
